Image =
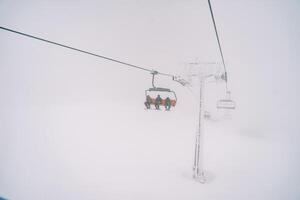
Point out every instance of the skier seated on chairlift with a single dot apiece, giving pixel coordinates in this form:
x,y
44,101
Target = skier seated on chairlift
x,y
158,101
168,103
148,102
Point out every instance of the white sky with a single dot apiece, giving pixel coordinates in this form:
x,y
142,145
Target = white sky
x,y
260,40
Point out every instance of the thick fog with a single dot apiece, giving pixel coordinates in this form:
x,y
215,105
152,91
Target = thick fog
x,y
73,126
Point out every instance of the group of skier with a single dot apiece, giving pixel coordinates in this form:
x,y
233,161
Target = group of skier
x,y
158,102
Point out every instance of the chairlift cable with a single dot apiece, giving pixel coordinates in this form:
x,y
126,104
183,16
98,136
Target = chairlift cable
x,y
83,51
217,35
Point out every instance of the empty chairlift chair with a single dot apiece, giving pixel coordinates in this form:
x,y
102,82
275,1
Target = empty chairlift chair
x,y
226,103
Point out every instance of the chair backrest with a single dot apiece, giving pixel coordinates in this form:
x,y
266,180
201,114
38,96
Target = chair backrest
x,y
226,104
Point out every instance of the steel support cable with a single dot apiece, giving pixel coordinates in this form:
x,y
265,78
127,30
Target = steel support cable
x,y
217,35
83,51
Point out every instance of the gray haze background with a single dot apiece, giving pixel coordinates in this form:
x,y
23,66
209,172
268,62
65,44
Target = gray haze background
x,y
74,127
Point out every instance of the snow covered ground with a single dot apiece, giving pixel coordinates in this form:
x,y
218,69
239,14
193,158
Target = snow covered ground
x,y
74,127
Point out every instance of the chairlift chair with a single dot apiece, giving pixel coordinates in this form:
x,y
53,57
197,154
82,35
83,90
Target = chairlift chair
x,y
163,92
226,103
